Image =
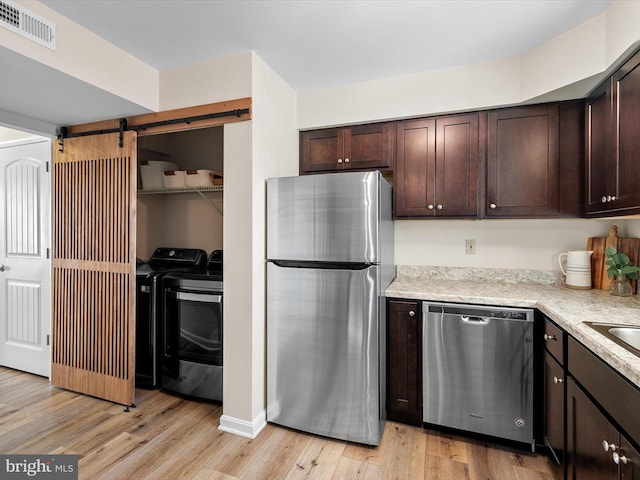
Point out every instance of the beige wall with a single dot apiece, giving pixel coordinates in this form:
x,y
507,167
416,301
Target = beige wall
x,y
453,89
568,58
9,134
212,81
275,154
253,151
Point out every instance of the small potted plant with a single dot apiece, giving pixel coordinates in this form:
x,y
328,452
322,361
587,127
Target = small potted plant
x,y
620,267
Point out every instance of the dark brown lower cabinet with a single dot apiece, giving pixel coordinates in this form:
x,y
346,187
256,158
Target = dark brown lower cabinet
x,y
554,407
630,465
587,429
596,450
404,360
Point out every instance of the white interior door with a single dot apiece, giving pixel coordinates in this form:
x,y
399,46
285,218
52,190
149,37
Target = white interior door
x,y
25,271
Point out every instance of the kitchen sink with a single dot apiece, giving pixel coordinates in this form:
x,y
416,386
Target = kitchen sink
x,y
624,335
628,335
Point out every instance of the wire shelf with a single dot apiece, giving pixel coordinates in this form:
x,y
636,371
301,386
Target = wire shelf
x,y
166,191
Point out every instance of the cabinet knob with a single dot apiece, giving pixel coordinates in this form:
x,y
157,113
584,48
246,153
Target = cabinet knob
x,y
609,446
430,207
557,380
613,198
549,337
412,313
339,160
492,206
439,207
608,198
2,267
346,160
619,459
604,199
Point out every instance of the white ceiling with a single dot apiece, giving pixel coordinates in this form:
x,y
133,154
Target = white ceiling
x,y
315,44
311,44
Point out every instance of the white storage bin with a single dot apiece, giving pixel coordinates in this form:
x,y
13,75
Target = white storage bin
x,y
174,179
199,178
151,172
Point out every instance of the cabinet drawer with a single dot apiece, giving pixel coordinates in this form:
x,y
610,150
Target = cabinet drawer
x,y
554,340
615,394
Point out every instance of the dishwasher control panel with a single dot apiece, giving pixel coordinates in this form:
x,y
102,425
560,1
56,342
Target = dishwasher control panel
x,y
506,313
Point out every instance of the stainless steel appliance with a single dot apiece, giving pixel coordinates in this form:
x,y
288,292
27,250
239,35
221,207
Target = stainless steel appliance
x,y
192,346
478,369
149,306
330,258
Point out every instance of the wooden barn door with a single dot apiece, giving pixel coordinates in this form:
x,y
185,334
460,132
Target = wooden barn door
x,y
93,218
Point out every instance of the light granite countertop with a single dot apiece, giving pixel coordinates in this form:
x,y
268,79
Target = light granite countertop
x,y
567,307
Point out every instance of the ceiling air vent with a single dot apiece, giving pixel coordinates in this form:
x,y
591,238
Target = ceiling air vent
x,y
20,20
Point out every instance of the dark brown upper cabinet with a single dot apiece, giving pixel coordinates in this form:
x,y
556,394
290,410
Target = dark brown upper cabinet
x,y
613,144
534,161
437,165
361,147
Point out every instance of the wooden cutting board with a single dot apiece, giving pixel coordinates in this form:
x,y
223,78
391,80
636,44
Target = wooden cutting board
x,y
630,246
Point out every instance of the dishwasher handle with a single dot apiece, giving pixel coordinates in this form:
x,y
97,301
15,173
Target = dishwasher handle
x,y
474,320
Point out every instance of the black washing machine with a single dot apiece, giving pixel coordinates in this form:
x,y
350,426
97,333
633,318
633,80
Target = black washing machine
x,y
149,306
192,346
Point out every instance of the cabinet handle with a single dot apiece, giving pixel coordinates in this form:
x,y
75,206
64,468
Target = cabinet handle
x,y
492,206
439,207
609,446
430,207
618,459
557,380
549,337
339,160
412,313
346,160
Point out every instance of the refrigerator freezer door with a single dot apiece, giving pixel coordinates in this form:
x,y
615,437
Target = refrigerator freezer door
x,y
325,218
323,352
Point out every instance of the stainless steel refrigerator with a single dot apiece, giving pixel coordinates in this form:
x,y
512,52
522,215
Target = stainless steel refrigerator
x,y
330,259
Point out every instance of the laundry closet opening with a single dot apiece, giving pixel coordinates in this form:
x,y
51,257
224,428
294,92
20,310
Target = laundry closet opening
x,y
177,215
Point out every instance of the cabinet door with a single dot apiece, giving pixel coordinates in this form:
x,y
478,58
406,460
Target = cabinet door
x,y
414,179
601,167
321,150
369,146
587,429
554,407
630,464
404,375
457,156
522,162
627,91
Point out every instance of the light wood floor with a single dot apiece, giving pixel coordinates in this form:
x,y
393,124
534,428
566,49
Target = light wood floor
x,y
168,437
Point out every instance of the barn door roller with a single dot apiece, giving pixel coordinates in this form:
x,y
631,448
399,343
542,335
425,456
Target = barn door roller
x,y
64,133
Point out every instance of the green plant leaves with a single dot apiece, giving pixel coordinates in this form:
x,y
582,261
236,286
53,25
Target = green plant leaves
x,y
619,264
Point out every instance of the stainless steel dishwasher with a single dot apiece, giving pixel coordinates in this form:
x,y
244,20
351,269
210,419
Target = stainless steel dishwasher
x,y
478,369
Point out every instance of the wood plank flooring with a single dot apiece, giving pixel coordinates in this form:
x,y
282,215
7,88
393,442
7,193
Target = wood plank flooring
x,y
169,437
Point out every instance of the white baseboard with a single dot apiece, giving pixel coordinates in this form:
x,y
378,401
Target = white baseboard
x,y
242,427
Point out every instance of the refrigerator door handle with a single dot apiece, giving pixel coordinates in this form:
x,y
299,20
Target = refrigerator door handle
x,y
322,265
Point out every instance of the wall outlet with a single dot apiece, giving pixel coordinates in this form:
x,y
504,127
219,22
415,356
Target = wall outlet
x,y
470,247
